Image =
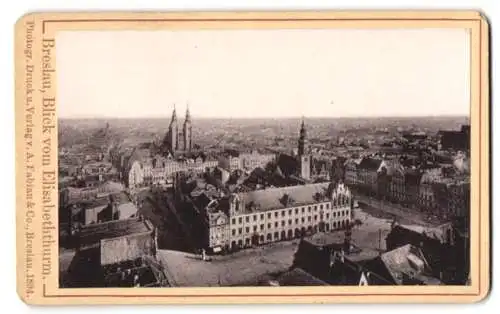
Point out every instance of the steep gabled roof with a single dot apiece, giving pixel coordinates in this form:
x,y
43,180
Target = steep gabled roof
x,y
299,277
408,262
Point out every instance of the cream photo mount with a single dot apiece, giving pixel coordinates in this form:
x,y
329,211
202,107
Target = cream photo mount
x,y
37,158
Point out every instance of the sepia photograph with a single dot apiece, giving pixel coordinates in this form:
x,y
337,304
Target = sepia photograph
x,y
248,157
252,157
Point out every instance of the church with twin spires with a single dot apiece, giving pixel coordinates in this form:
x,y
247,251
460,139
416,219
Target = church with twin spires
x,y
179,139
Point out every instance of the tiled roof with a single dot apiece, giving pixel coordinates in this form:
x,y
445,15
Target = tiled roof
x,y
407,261
272,198
299,277
94,233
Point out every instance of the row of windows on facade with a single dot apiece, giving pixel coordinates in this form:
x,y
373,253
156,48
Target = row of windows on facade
x,y
421,198
283,213
178,166
343,213
148,179
290,234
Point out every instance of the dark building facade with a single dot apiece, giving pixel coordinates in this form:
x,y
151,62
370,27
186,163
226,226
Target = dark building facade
x,y
456,140
447,255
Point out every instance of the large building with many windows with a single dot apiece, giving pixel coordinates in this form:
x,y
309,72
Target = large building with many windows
x,y
160,170
270,215
254,159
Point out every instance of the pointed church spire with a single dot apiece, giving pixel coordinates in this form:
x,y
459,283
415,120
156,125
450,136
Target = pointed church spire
x,y
302,149
174,114
303,129
187,134
188,115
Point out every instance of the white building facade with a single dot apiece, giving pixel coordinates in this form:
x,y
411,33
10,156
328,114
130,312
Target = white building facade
x,y
277,214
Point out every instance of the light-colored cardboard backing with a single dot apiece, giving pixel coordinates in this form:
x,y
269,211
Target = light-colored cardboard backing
x,y
38,286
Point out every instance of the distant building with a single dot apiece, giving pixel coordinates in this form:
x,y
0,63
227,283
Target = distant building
x,y
179,139
71,195
444,195
229,161
146,172
368,172
351,172
298,166
261,179
415,136
397,184
456,140
412,183
253,160
426,198
117,206
460,199
321,169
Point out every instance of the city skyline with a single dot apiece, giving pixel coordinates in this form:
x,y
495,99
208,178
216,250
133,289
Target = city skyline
x,y
219,73
193,116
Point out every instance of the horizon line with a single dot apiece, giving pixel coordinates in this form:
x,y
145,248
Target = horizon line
x,y
264,117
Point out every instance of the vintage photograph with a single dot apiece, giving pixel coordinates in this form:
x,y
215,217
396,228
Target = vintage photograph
x,y
264,157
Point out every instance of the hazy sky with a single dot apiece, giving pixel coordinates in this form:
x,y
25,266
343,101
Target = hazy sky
x,y
263,73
